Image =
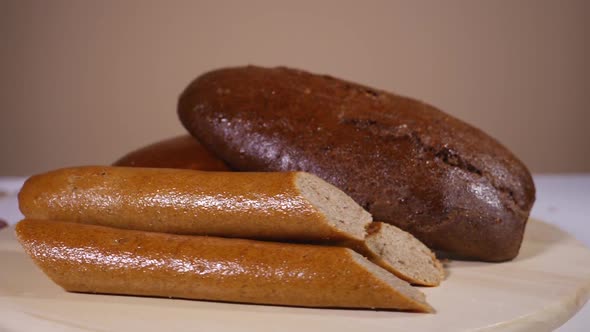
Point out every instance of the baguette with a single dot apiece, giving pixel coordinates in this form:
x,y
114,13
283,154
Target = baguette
x,y
292,206
96,259
177,152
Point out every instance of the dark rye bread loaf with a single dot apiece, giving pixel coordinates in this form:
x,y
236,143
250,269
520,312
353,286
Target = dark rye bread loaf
x,y
408,163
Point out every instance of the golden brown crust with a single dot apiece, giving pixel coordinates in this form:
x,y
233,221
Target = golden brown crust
x,y
241,205
95,259
408,163
229,204
178,152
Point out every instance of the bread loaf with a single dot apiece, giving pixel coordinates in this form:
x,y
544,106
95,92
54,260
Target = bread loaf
x,y
95,259
290,206
406,162
177,152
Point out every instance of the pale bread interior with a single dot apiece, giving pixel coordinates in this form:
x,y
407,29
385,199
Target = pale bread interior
x,y
398,285
409,258
340,211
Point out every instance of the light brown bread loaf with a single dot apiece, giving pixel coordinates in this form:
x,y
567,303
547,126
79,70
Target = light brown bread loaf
x,y
96,259
177,152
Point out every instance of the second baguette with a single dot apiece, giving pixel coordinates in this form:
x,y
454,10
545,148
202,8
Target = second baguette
x,y
96,259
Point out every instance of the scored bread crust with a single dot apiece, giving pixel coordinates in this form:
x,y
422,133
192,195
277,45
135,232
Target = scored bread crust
x,y
289,206
96,259
176,152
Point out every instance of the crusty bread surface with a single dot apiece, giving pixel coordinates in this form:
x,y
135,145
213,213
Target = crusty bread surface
x,y
406,162
177,152
97,259
288,206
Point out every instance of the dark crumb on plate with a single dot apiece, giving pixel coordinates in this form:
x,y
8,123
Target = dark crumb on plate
x,y
3,223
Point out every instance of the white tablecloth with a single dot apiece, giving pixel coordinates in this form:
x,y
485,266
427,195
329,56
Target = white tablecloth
x,y
562,200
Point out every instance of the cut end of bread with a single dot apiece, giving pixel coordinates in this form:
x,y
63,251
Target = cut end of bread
x,y
404,255
402,294
340,210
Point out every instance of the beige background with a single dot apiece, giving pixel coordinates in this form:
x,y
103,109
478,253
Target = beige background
x,y
82,82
